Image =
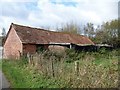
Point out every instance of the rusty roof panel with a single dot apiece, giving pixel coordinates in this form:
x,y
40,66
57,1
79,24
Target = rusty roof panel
x,y
41,36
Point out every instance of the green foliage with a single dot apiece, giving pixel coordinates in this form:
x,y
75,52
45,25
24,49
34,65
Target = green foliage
x,y
40,49
102,51
70,55
108,33
0,64
96,70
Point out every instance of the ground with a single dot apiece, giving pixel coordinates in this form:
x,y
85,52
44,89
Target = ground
x,y
3,81
0,52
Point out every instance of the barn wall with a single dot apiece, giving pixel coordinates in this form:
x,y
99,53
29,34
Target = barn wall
x,y
29,48
12,46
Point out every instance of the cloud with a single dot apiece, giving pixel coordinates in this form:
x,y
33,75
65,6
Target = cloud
x,y
87,11
52,13
12,10
100,10
18,1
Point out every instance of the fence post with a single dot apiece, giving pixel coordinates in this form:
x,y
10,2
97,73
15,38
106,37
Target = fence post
x,y
19,54
77,68
28,56
31,59
37,57
52,66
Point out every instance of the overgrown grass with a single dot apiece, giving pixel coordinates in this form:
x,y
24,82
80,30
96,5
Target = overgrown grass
x,y
96,70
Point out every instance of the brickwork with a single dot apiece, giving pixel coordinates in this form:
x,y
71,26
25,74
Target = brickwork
x,y
28,48
12,46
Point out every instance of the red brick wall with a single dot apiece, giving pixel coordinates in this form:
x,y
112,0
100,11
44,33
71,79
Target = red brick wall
x,y
29,48
12,45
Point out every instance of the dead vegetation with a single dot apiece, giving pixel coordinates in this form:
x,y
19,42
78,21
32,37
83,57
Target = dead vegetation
x,y
64,70
78,70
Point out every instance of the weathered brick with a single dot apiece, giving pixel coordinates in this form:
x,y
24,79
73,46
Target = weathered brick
x,y
13,45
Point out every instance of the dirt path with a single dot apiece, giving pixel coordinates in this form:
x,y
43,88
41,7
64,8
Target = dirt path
x,y
3,81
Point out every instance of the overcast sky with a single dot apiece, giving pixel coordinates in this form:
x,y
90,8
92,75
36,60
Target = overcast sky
x,y
54,13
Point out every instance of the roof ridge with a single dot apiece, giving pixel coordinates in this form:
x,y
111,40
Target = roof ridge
x,y
28,26
37,36
47,30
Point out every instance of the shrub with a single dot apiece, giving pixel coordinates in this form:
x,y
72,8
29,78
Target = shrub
x,y
95,70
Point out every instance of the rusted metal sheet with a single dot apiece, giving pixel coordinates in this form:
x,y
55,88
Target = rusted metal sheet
x,y
41,36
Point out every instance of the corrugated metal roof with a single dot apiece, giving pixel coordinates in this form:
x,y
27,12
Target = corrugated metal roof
x,y
41,36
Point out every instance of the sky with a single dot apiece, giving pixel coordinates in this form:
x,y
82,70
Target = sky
x,y
55,13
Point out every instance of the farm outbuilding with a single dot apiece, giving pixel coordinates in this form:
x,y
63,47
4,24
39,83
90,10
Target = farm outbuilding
x,y
23,39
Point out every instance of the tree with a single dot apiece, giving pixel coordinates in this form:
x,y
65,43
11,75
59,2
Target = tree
x,y
3,32
3,35
89,30
108,33
70,28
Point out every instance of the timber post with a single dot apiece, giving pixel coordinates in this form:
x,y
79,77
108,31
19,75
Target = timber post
x,y
76,68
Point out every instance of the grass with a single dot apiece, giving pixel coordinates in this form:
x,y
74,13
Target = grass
x,y
25,76
96,70
0,64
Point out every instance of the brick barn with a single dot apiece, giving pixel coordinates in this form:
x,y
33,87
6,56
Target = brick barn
x,y
23,39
